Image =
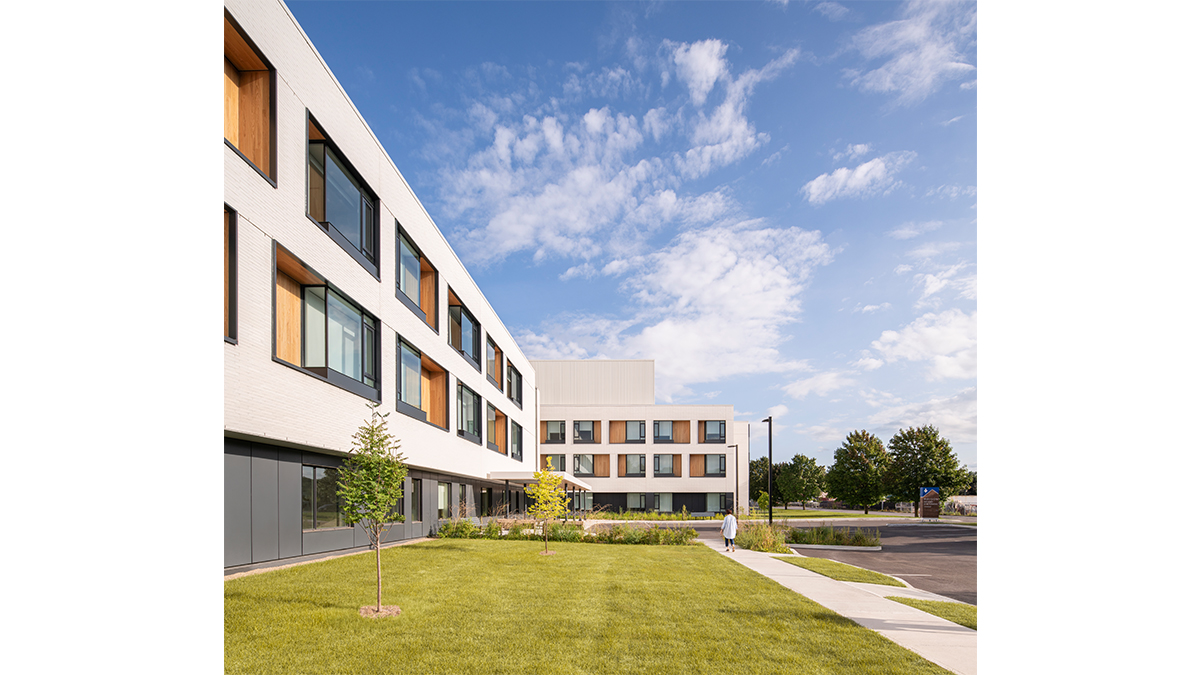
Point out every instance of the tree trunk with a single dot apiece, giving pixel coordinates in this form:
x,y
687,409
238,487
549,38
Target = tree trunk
x,y
866,510
378,579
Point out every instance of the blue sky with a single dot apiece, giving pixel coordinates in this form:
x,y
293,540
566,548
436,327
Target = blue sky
x,y
774,201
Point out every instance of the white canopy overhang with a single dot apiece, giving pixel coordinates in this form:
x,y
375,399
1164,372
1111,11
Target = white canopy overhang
x,y
525,477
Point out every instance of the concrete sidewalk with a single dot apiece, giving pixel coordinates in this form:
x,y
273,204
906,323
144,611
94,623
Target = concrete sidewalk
x,y
943,642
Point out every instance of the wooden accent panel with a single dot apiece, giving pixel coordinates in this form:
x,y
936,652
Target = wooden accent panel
x,y
291,266
429,294
239,52
677,465
681,431
696,466
233,81
288,308
433,393
227,272
314,134
254,118
316,194
498,374
542,461
616,431
620,465
543,424
600,466
502,432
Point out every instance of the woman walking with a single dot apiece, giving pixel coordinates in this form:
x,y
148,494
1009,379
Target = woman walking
x,y
729,529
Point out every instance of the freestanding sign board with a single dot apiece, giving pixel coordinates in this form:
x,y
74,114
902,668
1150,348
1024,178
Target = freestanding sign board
x,y
929,506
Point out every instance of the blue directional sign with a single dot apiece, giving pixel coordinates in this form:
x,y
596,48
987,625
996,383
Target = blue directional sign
x,y
934,490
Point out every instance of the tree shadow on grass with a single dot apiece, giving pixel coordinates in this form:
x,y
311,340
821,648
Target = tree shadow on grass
x,y
788,614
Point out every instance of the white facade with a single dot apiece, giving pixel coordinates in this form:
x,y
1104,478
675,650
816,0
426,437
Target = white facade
x,y
617,392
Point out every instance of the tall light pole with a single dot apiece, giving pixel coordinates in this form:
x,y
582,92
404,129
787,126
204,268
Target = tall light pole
x,y
770,470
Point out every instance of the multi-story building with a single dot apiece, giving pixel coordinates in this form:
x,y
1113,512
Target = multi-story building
x,y
599,422
340,291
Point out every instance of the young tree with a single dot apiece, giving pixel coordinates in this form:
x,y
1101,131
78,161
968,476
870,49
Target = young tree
x,y
920,457
856,476
809,477
371,484
549,499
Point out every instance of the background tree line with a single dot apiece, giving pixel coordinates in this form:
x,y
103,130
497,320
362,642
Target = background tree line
x,y
864,473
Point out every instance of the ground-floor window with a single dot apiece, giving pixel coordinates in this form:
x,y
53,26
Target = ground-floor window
x,y
414,498
582,501
443,500
714,501
319,504
662,502
636,501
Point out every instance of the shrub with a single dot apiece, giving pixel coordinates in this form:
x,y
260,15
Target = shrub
x,y
458,529
829,536
566,532
492,531
759,536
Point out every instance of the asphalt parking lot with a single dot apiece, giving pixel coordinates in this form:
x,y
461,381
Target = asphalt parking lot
x,y
936,558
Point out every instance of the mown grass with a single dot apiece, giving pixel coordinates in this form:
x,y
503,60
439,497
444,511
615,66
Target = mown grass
x,y
841,571
958,612
472,606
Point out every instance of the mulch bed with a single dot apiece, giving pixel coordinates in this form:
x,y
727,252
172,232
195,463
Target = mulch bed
x,y
369,612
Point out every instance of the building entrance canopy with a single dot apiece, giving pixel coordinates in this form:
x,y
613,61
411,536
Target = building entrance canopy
x,y
525,477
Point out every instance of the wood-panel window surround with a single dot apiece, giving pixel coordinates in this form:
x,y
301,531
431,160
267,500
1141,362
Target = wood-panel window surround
x,y
230,275
422,386
464,330
706,465
497,426
587,431
340,202
554,431
672,431
249,101
322,331
495,364
626,431
668,466
633,466
416,280
556,462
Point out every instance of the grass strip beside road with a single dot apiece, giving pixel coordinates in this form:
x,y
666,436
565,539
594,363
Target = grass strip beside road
x,y
840,571
958,612
472,606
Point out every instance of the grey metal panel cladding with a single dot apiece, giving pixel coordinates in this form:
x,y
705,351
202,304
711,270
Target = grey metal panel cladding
x,y
237,503
320,541
264,503
289,504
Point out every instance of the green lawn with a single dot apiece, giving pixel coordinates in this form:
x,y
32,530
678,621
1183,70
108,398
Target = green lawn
x,y
475,606
840,571
958,612
817,513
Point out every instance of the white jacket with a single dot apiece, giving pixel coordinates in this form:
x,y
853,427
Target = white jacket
x,y
729,527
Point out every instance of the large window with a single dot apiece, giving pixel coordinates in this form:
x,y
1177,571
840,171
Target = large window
x,y
517,451
585,465
339,201
414,500
714,431
464,330
249,101
443,498
557,462
514,386
585,431
635,465
416,279
319,329
469,412
664,465
581,501
635,501
662,431
556,431
714,501
635,432
230,274
421,385
320,507
714,465
662,502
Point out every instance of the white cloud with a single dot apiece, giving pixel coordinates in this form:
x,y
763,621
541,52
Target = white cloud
x,y
699,65
832,11
956,417
903,269
950,121
910,229
710,305
823,433
933,249
946,341
921,51
868,309
951,191
777,410
868,362
869,178
820,384
852,151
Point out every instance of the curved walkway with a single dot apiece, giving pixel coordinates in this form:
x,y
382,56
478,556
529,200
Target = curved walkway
x,y
943,642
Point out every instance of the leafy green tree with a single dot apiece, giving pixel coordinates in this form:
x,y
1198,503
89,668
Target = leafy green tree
x,y
549,499
856,476
972,489
371,484
920,457
758,478
805,480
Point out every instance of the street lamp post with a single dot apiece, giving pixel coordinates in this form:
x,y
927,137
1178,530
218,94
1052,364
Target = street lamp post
x,y
770,470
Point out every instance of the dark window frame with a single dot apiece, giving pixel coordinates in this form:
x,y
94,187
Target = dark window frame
x,y
575,462
368,259
475,357
516,387
704,433
231,278
641,463
338,516
576,439
400,294
549,440
516,442
490,343
562,465
274,127
415,497
642,427
664,474
671,426
721,471
462,433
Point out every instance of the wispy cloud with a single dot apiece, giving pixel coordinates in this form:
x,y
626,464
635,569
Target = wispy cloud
x,y
831,10
821,384
920,52
950,121
873,177
945,341
868,309
955,416
910,229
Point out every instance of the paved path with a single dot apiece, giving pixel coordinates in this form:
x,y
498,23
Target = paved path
x,y
943,642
